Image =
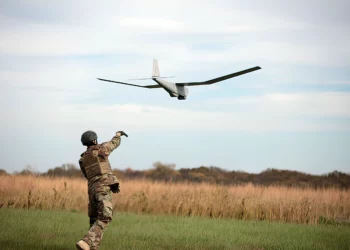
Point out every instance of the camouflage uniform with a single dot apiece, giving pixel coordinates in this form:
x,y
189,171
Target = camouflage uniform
x,y
95,165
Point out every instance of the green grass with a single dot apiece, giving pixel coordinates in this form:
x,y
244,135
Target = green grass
x,y
35,229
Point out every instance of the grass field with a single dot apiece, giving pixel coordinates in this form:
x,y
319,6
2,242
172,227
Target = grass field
x,y
38,229
244,202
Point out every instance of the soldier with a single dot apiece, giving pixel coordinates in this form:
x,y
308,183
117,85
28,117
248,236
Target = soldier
x,y
95,166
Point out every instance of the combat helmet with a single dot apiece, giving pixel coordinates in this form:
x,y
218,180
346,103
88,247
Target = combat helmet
x,y
88,137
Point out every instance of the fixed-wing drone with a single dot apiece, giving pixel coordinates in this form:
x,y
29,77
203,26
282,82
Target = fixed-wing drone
x,y
179,90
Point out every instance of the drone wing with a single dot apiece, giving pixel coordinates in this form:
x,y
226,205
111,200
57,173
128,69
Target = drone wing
x,y
219,79
147,86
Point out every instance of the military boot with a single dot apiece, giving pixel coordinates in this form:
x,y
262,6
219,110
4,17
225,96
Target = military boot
x,y
82,245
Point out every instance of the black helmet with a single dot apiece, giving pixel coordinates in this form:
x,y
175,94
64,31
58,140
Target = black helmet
x,y
88,137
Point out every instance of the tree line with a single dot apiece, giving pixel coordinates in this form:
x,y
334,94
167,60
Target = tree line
x,y
211,174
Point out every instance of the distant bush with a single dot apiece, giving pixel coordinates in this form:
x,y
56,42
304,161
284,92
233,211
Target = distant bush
x,y
3,172
66,170
29,170
168,173
212,174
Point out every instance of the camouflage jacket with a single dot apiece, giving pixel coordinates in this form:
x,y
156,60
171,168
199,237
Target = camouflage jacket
x,y
104,150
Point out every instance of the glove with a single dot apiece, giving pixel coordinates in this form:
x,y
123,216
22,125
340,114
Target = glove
x,y
122,133
115,188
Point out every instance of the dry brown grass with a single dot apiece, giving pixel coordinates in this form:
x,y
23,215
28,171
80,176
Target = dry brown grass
x,y
245,202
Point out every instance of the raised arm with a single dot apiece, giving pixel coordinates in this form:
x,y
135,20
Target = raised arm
x,y
112,144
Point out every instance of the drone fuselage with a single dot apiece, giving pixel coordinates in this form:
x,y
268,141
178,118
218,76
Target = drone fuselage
x,y
173,89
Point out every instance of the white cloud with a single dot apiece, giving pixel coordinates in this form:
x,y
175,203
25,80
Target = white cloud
x,y
153,23
272,112
340,82
169,30
304,105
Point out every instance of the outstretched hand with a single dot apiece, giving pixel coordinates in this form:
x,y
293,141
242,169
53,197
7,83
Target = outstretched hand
x,y
115,188
120,133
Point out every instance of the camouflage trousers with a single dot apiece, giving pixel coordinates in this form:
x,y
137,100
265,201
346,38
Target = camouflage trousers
x,y
100,213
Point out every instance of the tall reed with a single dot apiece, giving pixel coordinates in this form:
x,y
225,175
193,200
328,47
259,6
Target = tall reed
x,y
246,202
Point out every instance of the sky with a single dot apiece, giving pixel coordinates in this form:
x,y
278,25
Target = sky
x,y
292,114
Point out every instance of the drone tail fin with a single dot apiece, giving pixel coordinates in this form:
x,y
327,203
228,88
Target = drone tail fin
x,y
155,69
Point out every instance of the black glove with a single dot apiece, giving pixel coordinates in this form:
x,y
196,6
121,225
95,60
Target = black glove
x,y
115,188
122,133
